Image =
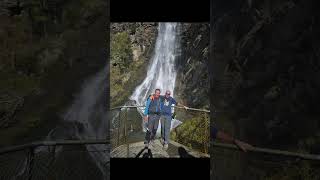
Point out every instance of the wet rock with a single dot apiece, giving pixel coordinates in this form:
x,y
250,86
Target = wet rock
x,y
273,46
192,80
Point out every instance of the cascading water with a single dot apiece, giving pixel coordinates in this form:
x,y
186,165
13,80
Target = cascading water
x,y
90,111
89,108
161,72
87,118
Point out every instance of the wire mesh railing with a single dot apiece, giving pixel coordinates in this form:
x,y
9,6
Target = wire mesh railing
x,y
194,132
56,160
229,162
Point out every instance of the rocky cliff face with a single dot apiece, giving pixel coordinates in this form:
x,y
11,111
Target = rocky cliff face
x,y
265,71
142,37
192,83
271,75
48,49
134,44
192,80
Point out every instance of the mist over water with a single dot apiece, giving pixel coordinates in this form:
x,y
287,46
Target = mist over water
x,y
161,72
86,118
89,110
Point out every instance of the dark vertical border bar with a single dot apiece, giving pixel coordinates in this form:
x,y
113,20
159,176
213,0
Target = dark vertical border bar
x,y
159,11
107,53
210,63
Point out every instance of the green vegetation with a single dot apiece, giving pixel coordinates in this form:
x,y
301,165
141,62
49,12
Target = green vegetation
x,y
303,171
194,133
131,46
123,84
121,52
126,74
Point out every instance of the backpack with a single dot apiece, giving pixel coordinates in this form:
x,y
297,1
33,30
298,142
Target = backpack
x,y
151,97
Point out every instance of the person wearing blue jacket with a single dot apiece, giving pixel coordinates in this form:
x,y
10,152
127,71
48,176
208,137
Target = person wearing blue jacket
x,y
152,115
166,116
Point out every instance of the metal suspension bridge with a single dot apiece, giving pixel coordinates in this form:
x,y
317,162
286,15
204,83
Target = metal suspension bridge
x,y
69,159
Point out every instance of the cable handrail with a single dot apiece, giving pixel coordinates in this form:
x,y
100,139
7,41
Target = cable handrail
x,y
51,143
103,141
253,149
270,151
179,107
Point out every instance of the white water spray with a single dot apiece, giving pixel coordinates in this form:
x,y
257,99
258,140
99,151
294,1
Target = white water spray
x,y
161,72
89,110
87,119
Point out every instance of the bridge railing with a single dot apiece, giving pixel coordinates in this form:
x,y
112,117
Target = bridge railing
x,y
257,163
261,163
194,131
62,159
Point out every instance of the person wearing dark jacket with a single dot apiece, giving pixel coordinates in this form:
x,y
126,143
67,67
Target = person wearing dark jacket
x,y
152,115
166,117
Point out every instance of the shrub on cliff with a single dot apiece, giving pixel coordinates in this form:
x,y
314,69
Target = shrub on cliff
x,y
121,53
194,133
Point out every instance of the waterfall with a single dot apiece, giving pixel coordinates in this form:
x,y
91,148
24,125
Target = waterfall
x,y
161,71
87,119
89,110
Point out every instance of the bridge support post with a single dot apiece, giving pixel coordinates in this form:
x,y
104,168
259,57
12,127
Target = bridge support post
x,y
118,141
125,131
30,163
53,151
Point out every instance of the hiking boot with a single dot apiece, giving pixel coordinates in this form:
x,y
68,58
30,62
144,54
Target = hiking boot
x,y
161,141
146,144
165,146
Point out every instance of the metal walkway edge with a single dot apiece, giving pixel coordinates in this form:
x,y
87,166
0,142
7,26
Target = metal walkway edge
x,y
138,150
